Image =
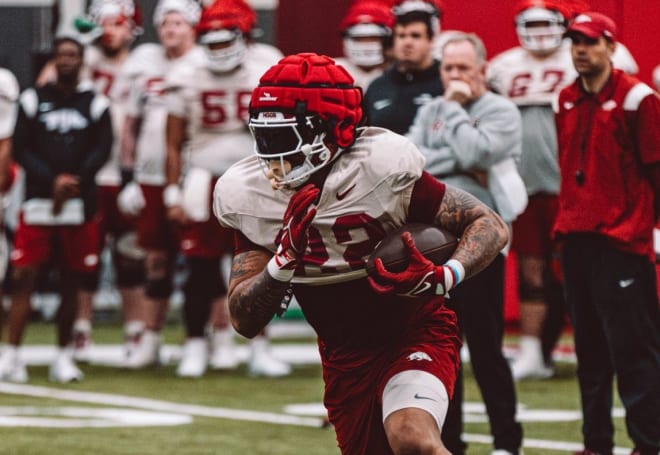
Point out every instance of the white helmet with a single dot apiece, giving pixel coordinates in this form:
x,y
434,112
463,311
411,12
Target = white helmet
x,y
540,39
189,9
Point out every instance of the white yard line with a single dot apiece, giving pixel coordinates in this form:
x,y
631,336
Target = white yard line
x,y
159,405
237,414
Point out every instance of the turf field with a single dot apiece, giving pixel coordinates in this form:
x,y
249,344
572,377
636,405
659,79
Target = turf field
x,y
114,411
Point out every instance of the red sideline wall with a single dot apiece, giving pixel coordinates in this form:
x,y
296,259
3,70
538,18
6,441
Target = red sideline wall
x,y
311,25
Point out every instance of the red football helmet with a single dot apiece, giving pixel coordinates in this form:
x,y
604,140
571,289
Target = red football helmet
x,y
304,111
222,31
364,21
540,24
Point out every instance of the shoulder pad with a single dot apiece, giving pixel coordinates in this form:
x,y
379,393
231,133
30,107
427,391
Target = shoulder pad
x,y
142,57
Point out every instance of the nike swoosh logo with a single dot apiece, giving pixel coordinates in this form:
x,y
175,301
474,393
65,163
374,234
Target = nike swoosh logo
x,y
382,104
341,196
626,283
420,397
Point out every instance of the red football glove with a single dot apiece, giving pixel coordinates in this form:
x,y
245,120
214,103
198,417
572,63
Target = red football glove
x,y
420,278
292,239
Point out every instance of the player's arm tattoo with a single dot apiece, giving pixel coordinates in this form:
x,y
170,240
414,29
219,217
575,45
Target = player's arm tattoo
x,y
254,296
482,232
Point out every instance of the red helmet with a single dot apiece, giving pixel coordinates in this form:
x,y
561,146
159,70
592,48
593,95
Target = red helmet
x,y
225,21
364,19
369,13
541,39
303,104
227,14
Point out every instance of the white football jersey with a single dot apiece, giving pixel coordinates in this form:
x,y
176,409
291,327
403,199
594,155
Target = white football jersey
x,y
215,106
361,77
105,73
529,81
9,92
366,194
145,70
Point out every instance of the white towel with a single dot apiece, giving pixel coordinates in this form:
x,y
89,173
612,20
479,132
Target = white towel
x,y
196,194
40,212
507,188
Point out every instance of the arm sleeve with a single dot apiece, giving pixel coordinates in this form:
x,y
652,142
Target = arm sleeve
x,y
479,143
100,151
648,130
426,198
23,153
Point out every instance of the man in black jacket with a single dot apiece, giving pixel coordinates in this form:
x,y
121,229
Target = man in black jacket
x,y
413,80
63,136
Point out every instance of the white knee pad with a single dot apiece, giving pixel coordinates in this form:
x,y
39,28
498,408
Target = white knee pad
x,y
416,389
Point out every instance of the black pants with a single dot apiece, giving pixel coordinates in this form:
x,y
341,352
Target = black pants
x,y
479,305
613,304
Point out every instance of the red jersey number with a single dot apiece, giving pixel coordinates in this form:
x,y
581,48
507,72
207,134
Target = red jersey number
x,y
550,82
346,230
215,104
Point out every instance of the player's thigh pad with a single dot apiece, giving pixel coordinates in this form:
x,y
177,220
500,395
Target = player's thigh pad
x,y
416,389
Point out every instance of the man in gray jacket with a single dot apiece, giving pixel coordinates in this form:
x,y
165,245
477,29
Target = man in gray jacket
x,y
471,139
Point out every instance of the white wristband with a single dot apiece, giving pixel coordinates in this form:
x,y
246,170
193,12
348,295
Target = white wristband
x,y
277,273
172,196
457,273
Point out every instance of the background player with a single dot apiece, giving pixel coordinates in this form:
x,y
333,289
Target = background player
x,y
144,152
207,133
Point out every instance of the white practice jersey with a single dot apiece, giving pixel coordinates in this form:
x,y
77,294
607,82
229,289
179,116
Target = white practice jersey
x,y
361,77
366,194
215,106
145,70
9,92
530,81
105,73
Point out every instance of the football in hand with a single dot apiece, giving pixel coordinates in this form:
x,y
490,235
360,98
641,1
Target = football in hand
x,y
434,243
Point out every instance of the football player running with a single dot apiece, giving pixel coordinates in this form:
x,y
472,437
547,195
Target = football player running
x,y
330,193
143,163
367,33
206,133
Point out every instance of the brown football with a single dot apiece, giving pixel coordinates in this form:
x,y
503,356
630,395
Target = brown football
x,y
434,243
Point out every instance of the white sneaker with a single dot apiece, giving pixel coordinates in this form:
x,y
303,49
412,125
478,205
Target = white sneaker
x,y
505,452
82,340
223,350
12,368
133,331
63,369
529,363
262,362
146,352
194,357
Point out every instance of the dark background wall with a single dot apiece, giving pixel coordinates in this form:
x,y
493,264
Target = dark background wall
x,y
26,33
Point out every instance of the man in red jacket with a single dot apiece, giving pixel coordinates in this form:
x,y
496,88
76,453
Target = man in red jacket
x,y
609,158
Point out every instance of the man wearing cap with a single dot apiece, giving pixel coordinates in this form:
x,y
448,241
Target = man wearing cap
x,y
609,201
